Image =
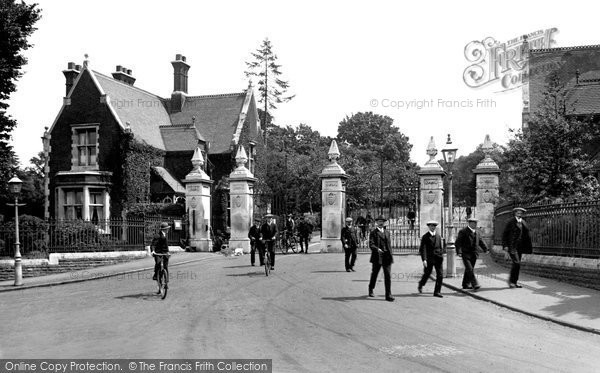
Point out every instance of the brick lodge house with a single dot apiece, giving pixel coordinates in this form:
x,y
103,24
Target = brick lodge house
x,y
113,145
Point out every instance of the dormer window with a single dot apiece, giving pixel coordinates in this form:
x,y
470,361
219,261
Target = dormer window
x,y
85,147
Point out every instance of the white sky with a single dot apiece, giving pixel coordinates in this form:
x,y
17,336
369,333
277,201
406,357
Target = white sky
x,y
338,57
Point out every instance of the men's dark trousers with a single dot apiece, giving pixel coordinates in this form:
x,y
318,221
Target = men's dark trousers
x,y
432,262
271,248
254,246
515,257
469,278
157,260
350,258
304,243
387,277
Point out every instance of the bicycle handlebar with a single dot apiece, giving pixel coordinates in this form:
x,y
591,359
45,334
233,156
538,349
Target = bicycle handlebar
x,y
161,254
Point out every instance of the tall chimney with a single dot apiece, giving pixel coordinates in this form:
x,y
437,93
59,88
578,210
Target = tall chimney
x,y
180,70
71,74
124,75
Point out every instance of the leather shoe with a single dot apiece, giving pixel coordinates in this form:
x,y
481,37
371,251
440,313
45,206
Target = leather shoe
x,y
352,269
154,277
420,288
347,270
272,268
477,288
518,286
371,294
390,299
511,285
438,295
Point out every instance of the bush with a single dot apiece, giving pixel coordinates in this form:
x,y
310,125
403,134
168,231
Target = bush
x,y
79,235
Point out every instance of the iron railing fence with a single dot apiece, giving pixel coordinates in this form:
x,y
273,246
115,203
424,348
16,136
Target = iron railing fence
x,y
565,229
56,236
404,240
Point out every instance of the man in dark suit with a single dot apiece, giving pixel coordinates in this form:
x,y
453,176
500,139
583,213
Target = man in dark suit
x,y
381,257
160,245
517,241
468,244
432,254
269,232
350,244
254,236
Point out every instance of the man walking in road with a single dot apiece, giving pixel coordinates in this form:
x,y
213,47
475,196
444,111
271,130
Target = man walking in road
x,y
432,254
304,232
268,232
381,257
350,244
517,241
468,244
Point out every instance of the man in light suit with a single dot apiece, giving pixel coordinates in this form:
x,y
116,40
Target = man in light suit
x,y
381,257
468,244
432,254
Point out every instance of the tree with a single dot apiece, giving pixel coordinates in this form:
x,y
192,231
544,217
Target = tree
x,y
16,25
373,146
272,89
546,161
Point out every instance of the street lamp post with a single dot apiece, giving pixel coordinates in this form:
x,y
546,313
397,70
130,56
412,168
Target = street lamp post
x,y
449,153
14,186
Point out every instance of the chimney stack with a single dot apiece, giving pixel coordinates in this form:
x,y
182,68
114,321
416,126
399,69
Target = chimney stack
x,y
180,77
71,74
124,75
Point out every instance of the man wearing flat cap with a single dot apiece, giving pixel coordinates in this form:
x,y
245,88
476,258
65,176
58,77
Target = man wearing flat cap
x,y
432,254
381,257
350,244
517,241
468,244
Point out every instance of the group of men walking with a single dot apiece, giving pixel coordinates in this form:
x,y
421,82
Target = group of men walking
x,y
516,241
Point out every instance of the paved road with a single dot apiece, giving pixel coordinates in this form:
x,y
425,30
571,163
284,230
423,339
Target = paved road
x,y
309,316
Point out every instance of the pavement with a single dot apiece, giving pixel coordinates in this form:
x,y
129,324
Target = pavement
x,y
543,298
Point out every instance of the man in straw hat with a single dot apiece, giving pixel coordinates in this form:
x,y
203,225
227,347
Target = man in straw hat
x,y
516,241
432,254
468,244
160,245
381,257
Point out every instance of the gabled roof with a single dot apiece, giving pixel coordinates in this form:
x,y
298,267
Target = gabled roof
x,y
181,137
216,117
143,111
169,179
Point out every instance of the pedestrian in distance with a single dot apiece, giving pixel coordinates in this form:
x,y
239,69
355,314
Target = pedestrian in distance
x,y
255,244
160,245
432,254
350,244
381,257
468,245
268,232
516,241
304,232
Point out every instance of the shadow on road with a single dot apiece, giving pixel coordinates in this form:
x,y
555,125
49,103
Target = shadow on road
x,y
142,296
249,274
360,297
340,271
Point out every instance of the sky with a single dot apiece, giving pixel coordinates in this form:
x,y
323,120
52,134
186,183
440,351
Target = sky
x,y
401,59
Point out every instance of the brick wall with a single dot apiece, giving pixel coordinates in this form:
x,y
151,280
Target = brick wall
x,y
534,265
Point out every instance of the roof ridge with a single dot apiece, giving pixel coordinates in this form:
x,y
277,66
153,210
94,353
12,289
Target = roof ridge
x,y
127,85
577,47
176,126
218,95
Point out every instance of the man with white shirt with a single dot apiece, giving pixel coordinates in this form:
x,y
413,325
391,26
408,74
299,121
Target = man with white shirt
x,y
432,254
468,244
517,241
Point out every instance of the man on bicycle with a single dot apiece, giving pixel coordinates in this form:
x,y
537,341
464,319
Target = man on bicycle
x,y
268,232
160,246
254,236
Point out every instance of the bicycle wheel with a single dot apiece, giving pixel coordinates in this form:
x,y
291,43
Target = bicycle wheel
x,y
164,283
282,246
293,244
267,263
